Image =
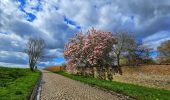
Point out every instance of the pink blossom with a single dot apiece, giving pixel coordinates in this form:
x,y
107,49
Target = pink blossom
x,y
92,47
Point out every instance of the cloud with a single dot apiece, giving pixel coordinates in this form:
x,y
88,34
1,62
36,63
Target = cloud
x,y
156,39
3,64
11,42
140,17
50,54
13,57
58,20
16,29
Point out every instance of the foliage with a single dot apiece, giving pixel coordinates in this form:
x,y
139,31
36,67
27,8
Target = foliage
x,y
137,53
73,50
97,46
164,52
128,47
16,83
135,91
100,49
90,49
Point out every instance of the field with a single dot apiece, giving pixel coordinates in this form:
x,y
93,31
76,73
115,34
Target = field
x,y
16,83
54,68
156,76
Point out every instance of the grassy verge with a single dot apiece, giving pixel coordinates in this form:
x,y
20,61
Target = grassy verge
x,y
138,92
16,83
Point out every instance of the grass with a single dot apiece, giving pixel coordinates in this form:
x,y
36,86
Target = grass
x,y
135,91
16,83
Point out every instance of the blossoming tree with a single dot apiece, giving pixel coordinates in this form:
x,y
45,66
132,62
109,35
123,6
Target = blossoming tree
x,y
91,49
73,51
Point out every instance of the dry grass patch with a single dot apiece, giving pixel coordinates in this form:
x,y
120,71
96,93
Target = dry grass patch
x,y
54,68
156,76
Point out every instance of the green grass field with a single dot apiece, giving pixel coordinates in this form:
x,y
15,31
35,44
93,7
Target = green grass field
x,y
135,91
16,83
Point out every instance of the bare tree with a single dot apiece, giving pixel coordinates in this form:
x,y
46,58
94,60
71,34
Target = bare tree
x,y
124,40
128,47
34,49
137,53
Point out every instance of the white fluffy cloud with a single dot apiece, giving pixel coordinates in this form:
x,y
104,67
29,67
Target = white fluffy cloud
x,y
57,20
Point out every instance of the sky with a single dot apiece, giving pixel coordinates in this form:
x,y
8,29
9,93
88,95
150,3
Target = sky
x,y
56,21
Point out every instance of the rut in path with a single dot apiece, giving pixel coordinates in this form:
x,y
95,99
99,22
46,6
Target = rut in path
x,y
57,87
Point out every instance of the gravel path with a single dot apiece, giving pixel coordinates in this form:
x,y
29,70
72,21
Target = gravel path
x,y
57,87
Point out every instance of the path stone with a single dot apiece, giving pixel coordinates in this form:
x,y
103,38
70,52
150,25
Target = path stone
x,y
57,87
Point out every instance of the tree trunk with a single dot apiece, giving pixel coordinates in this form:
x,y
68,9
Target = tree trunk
x,y
118,59
94,72
31,68
106,74
118,64
31,65
84,71
110,74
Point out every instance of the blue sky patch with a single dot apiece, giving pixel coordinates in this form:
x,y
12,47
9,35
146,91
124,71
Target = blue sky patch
x,y
71,22
30,17
22,5
154,54
59,60
22,2
39,7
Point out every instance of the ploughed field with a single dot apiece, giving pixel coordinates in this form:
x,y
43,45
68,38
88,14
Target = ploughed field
x,y
16,83
156,76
